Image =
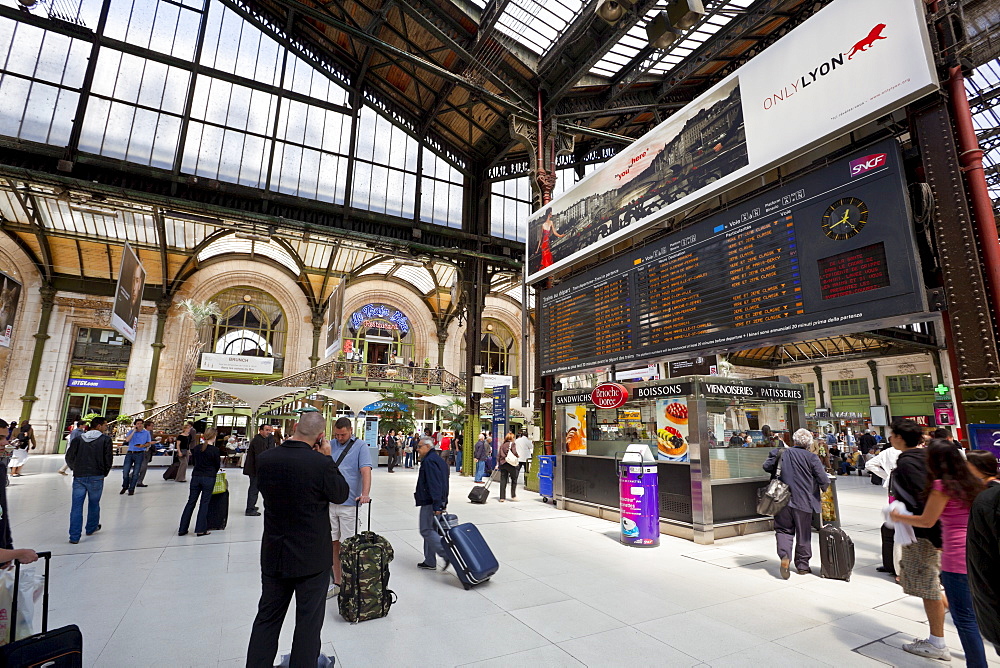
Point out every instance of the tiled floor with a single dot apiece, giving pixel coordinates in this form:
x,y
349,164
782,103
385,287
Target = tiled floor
x,y
567,593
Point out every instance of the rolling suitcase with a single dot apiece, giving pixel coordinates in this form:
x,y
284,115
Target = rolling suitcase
x,y
218,511
364,591
171,472
59,648
836,551
480,494
470,555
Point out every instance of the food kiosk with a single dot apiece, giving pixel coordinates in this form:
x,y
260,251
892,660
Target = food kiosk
x,y
708,480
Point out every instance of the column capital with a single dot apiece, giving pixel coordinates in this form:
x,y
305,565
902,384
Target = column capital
x,y
48,296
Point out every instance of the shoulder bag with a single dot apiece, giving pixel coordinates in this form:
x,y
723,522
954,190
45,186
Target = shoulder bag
x,y
511,456
343,454
772,498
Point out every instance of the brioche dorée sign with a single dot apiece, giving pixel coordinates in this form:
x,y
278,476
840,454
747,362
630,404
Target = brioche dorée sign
x,y
609,395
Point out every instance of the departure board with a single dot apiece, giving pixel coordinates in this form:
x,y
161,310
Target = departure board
x,y
830,250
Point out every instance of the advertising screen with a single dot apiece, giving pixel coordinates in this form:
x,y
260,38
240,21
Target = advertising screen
x,y
831,249
128,294
852,62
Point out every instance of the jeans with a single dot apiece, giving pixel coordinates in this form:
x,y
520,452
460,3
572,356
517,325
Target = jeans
x,y
408,461
458,461
310,606
131,468
432,539
252,494
794,525
87,486
956,587
480,470
201,486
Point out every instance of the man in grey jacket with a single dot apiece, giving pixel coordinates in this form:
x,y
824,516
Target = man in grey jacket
x,y
803,472
90,457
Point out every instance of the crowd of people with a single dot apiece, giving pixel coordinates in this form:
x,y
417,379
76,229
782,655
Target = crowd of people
x,y
940,537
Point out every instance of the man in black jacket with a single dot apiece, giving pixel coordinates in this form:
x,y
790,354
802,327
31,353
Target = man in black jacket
x,y
805,476
920,561
90,457
264,440
298,481
432,499
866,443
983,555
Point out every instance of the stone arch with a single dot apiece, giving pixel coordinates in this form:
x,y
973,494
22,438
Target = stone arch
x,y
373,290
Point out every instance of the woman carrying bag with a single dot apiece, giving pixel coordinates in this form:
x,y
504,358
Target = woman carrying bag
x,y
205,459
507,456
25,439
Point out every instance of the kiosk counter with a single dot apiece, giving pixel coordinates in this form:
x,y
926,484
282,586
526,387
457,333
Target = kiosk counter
x,y
709,437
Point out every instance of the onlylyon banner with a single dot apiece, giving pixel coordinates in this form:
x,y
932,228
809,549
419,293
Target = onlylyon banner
x,y
335,318
10,295
128,294
850,63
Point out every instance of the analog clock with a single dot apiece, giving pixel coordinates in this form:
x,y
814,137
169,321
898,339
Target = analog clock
x,y
845,218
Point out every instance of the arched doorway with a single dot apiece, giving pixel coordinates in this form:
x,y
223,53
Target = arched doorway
x,y
380,334
252,324
498,349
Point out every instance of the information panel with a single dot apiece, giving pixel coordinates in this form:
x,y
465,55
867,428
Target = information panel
x,y
830,250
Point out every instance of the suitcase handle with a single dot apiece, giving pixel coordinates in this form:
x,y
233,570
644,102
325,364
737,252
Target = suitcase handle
x,y
357,515
47,556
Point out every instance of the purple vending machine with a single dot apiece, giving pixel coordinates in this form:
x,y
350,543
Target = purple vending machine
x,y
639,492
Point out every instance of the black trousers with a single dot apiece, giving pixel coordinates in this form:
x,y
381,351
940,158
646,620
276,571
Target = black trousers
x,y
310,609
252,494
508,472
888,541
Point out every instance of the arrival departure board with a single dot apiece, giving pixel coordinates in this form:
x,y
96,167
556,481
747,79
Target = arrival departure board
x,y
832,250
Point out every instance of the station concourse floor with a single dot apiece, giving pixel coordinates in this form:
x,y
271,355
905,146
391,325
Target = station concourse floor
x,y
567,593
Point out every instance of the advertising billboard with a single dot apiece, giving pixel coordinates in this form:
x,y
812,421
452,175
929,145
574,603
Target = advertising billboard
x,y
830,250
128,294
852,62
10,294
335,318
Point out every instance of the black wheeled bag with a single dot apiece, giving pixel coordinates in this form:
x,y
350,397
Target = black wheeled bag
x,y
480,493
836,552
472,558
58,648
364,590
218,511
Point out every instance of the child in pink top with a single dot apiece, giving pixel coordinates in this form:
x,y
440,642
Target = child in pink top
x,y
952,492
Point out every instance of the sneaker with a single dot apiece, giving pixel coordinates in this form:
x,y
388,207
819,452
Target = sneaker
x,y
333,590
785,573
61,472
804,571
142,485
426,566
124,489
131,492
252,513
91,533
74,542
925,648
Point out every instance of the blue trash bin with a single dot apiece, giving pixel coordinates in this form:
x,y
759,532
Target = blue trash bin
x,y
546,472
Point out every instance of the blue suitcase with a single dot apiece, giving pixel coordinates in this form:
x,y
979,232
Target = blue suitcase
x,y
472,557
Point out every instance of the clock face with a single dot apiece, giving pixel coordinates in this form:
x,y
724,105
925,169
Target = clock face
x,y
845,218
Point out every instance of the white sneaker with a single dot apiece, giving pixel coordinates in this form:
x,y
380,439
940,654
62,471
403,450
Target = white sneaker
x,y
333,590
925,648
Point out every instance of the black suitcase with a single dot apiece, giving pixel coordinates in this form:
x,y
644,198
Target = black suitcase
x,y
836,551
59,648
171,472
480,493
472,558
218,511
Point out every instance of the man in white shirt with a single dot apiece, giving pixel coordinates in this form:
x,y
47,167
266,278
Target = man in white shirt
x,y
882,465
524,448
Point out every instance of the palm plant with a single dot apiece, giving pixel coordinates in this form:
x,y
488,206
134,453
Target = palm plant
x,y
454,416
200,314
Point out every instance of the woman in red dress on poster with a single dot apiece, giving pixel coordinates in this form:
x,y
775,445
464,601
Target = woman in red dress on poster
x,y
548,229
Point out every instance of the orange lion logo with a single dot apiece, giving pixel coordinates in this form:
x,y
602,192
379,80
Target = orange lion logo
x,y
873,36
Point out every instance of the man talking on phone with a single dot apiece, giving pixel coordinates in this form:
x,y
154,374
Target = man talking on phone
x,y
355,464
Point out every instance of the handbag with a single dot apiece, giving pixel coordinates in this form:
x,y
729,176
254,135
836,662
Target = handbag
x,y
511,457
772,498
221,486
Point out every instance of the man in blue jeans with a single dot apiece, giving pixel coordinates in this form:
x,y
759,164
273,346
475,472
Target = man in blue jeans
x,y
90,457
138,440
481,453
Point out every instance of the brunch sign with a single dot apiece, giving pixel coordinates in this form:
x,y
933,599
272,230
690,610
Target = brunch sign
x,y
609,395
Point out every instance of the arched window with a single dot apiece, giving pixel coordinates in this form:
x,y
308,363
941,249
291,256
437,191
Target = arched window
x,y
252,324
498,350
380,334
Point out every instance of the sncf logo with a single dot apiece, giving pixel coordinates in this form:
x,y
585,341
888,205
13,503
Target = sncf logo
x,y
867,163
873,36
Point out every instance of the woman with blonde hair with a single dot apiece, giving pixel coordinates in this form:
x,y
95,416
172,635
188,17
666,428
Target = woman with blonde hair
x,y
205,459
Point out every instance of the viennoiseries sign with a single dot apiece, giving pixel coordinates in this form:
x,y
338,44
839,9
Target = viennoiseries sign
x,y
850,63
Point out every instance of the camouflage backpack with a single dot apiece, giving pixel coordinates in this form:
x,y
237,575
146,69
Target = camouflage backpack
x,y
364,590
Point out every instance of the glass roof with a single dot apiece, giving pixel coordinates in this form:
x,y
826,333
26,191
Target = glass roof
x,y
985,82
232,244
663,60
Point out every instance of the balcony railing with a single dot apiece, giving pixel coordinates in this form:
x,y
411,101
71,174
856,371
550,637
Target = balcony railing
x,y
101,353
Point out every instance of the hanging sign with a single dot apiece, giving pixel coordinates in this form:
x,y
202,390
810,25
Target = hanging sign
x,y
128,294
10,292
380,316
237,363
609,395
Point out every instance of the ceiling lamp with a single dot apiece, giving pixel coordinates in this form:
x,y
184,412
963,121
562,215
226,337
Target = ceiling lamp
x,y
684,14
253,236
28,4
659,33
611,11
408,261
93,209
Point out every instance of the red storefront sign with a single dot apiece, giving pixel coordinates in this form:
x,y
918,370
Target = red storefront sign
x,y
609,395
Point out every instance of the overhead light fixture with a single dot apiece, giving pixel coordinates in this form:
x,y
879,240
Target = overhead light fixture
x,y
409,262
93,209
611,11
28,4
659,33
191,217
684,14
253,236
